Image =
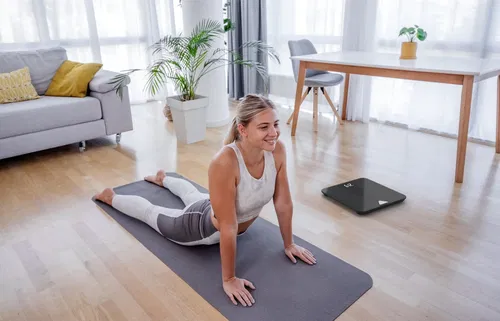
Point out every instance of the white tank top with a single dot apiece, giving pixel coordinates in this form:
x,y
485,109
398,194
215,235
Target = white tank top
x,y
253,193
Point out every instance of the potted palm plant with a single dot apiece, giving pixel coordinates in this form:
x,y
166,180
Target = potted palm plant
x,y
185,60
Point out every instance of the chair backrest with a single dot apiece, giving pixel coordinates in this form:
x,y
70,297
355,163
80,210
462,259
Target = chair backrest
x,y
299,48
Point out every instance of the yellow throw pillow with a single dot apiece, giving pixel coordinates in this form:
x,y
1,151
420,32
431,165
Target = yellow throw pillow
x,y
72,79
16,86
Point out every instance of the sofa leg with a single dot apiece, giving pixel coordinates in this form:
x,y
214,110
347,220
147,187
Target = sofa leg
x,y
118,137
82,146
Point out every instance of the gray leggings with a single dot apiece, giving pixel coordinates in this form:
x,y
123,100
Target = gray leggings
x,y
189,226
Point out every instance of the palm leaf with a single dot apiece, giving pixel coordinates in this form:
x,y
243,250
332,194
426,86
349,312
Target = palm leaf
x,y
119,81
261,47
169,44
200,59
205,32
203,35
186,60
155,79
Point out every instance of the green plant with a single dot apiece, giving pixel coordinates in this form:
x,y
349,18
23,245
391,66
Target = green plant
x,y
413,32
186,60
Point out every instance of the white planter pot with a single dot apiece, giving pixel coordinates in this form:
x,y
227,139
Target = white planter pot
x,y
189,118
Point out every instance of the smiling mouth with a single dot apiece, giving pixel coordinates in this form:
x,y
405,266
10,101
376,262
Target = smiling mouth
x,y
270,141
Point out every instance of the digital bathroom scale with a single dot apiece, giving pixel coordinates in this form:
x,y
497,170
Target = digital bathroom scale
x,y
363,195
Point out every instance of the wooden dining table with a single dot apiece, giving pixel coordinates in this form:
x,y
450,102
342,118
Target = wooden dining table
x,y
462,71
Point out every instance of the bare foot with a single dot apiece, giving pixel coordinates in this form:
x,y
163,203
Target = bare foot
x,y
157,179
106,196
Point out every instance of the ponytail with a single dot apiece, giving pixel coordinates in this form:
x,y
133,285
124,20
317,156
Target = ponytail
x,y
232,134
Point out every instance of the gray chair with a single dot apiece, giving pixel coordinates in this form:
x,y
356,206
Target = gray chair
x,y
314,79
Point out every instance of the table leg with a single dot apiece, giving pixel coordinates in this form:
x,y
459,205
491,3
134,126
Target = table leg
x,y
498,115
298,91
463,128
346,92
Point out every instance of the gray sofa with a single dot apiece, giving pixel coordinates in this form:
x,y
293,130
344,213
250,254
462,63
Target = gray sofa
x,y
49,121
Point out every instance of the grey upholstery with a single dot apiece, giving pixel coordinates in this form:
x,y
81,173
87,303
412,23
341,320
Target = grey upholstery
x,y
42,63
314,78
31,116
101,81
48,122
324,80
116,112
22,144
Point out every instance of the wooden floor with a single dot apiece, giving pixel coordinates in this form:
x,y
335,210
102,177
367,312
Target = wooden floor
x,y
435,257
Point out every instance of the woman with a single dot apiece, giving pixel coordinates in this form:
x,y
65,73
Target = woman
x,y
247,173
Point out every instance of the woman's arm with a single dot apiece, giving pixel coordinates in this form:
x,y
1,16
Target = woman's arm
x,y
282,198
284,209
222,187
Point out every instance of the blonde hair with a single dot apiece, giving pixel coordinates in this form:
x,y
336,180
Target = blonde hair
x,y
247,109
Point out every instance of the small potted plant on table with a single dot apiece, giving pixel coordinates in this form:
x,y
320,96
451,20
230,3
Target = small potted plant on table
x,y
409,48
184,61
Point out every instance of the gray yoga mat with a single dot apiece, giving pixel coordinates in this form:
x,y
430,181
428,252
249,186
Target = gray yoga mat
x,y
284,291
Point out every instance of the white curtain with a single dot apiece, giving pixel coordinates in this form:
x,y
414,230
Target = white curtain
x,y
455,28
115,33
320,21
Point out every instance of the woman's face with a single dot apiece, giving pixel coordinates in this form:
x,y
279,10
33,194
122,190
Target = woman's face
x,y
263,131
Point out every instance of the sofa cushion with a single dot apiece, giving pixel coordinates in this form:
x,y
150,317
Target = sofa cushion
x,y
72,79
42,63
16,86
46,113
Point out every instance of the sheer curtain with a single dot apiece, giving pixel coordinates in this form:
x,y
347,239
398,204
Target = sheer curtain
x,y
320,21
455,28
115,33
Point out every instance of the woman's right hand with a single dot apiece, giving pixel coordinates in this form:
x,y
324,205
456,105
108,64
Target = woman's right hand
x,y
235,288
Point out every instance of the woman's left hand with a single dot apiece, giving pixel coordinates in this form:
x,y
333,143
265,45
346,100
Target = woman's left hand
x,y
302,253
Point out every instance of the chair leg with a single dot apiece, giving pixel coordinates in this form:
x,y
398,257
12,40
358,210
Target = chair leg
x,y
306,92
315,109
332,106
